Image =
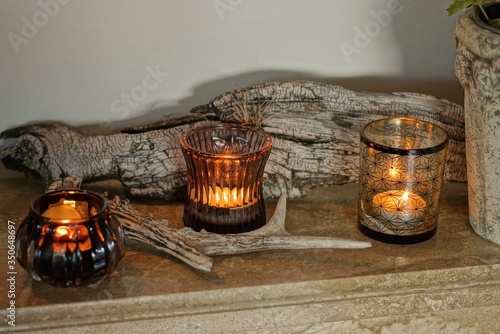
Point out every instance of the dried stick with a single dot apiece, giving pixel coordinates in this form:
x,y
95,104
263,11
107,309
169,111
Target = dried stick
x,y
271,236
144,228
193,247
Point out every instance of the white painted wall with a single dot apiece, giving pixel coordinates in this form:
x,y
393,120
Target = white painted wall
x,y
106,64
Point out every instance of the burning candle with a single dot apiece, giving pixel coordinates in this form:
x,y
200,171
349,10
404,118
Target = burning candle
x,y
225,165
69,238
397,205
66,210
225,197
401,170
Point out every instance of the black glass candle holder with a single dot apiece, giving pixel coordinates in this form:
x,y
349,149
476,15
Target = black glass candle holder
x,y
69,238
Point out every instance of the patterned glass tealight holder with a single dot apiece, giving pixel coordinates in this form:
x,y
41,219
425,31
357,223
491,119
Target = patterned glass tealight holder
x,y
401,170
225,165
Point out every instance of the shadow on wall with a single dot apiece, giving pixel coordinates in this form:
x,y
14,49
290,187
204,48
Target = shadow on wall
x,y
205,92
433,49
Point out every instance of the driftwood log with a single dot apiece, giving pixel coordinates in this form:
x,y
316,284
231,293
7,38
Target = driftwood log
x,y
315,129
194,248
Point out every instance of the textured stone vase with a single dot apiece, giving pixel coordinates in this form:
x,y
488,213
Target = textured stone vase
x,y
477,67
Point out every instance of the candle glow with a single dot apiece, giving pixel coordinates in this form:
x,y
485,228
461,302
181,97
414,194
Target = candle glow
x,y
404,205
225,170
66,210
394,172
401,169
225,197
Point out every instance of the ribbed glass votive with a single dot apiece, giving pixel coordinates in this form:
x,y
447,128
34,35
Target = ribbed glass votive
x,y
225,165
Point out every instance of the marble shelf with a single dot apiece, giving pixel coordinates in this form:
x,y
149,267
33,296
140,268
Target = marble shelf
x,y
448,284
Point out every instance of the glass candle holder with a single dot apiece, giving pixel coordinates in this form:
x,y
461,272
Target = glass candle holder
x,y
69,238
225,165
401,172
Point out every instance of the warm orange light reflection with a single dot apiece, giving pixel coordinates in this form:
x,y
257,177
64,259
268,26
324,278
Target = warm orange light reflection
x,y
70,237
397,201
67,210
393,172
63,232
225,197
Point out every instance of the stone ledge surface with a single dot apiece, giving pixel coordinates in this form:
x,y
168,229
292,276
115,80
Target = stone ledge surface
x,y
453,298
449,284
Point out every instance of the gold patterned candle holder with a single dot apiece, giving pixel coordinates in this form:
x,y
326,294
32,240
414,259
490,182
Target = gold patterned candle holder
x,y
401,171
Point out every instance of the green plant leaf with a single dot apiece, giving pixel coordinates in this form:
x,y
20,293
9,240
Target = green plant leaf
x,y
459,5
495,23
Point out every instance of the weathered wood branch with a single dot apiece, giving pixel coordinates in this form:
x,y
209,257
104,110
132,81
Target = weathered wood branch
x,y
315,129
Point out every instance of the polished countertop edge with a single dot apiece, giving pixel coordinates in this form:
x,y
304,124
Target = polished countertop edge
x,y
466,281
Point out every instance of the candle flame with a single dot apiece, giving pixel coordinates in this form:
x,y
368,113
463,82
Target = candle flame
x,y
66,237
404,197
402,201
62,231
226,197
399,201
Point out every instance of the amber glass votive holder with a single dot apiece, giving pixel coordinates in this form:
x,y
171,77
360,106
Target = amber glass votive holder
x,y
225,168
401,171
69,238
